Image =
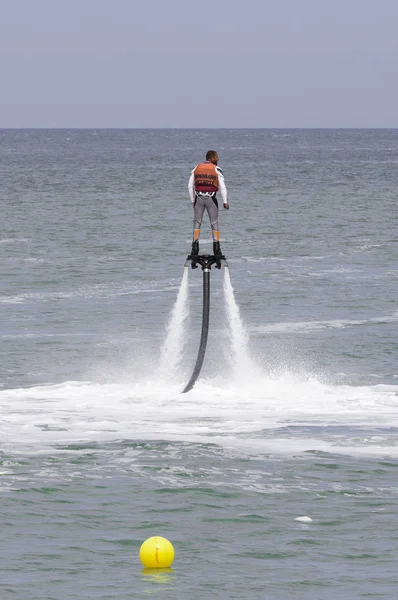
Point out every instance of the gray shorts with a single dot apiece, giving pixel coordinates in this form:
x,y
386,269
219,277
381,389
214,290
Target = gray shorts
x,y
210,203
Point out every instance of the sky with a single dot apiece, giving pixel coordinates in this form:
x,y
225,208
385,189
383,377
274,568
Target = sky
x,y
179,63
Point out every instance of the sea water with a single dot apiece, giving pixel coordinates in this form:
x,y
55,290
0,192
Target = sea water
x,y
295,411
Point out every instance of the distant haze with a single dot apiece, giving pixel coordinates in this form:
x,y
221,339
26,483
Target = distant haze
x,y
176,63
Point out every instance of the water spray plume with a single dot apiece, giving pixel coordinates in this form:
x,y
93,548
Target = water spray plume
x,y
238,336
173,347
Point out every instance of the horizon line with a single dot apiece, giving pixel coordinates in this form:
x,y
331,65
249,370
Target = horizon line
x,y
63,128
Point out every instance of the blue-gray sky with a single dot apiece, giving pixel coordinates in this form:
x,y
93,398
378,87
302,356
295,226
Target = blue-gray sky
x,y
178,63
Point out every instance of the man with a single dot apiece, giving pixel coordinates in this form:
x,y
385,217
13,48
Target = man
x,y
205,181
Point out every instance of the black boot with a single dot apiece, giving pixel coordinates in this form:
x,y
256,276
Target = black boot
x,y
216,249
217,253
194,252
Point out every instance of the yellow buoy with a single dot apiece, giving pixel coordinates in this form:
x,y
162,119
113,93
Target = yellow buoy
x,y
156,552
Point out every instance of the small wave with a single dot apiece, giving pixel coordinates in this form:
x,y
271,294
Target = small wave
x,y
29,259
95,291
361,248
13,240
261,259
305,326
298,326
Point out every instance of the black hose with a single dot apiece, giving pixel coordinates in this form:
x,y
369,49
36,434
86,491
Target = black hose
x,y
205,331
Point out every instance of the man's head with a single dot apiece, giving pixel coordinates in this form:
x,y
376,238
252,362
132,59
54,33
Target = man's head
x,y
212,156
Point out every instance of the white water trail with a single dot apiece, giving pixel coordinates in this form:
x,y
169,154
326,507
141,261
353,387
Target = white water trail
x,y
173,347
242,362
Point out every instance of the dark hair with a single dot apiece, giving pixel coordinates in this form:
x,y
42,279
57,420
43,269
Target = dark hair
x,y
211,154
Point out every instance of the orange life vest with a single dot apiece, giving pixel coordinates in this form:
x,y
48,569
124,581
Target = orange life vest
x,y
206,177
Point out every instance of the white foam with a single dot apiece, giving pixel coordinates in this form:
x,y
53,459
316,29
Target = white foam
x,y
251,417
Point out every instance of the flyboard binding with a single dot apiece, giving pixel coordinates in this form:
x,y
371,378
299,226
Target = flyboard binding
x,y
206,261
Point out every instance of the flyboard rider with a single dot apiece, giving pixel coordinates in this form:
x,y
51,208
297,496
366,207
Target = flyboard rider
x,y
205,181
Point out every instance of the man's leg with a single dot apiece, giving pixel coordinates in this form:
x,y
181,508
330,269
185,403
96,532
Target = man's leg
x,y
212,209
199,208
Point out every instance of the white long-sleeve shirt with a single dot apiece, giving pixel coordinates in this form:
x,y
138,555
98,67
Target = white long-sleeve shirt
x,y
221,186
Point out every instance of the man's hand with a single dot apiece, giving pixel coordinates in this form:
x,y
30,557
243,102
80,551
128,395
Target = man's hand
x,y
226,206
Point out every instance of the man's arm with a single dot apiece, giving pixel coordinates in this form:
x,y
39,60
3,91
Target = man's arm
x,y
222,187
191,187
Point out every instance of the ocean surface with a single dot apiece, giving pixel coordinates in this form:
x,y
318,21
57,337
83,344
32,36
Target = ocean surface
x,y
294,414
